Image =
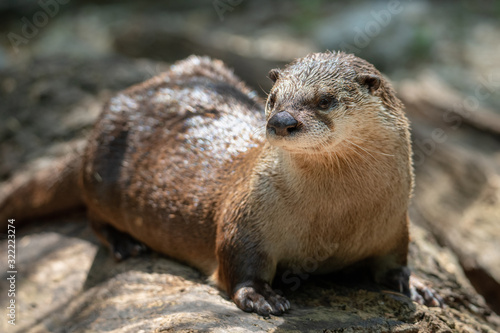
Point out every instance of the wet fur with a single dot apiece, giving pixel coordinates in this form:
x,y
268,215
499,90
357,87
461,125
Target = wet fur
x,y
337,193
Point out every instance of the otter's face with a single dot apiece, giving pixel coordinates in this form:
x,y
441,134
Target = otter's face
x,y
313,108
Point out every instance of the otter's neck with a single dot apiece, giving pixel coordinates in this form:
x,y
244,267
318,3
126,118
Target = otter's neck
x,y
348,164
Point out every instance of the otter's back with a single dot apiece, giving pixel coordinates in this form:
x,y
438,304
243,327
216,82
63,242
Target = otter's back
x,y
161,149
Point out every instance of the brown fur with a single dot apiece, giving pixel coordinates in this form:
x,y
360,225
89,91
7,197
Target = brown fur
x,y
337,192
181,164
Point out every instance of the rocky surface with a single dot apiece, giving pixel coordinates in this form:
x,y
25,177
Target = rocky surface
x,y
49,101
457,194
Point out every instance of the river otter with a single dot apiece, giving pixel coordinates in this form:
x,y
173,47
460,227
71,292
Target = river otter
x,y
189,165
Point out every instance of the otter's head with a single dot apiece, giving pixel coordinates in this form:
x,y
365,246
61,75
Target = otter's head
x,y
319,101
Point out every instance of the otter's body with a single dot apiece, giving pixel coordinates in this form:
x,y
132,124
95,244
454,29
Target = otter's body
x,y
190,164
181,164
161,154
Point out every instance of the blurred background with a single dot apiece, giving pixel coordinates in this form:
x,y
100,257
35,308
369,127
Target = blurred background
x,y
57,54
457,40
61,59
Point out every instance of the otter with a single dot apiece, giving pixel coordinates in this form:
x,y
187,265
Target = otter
x,y
191,164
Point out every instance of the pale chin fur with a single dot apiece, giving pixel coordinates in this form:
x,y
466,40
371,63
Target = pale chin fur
x,y
301,145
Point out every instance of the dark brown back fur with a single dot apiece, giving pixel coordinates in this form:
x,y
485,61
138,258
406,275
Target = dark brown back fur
x,y
161,151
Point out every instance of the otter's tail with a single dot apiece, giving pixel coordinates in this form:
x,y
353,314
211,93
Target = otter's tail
x,y
49,190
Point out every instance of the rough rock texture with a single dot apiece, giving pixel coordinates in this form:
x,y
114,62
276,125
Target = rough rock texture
x,y
457,195
47,102
67,283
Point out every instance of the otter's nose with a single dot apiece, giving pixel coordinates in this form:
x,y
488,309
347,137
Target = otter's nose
x,y
282,123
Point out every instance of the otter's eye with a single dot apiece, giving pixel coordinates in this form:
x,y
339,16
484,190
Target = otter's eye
x,y
326,102
271,101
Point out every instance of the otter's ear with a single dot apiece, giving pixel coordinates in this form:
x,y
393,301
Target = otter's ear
x,y
274,74
372,82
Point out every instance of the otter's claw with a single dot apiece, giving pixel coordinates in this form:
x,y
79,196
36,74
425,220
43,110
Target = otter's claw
x,y
126,246
424,295
264,301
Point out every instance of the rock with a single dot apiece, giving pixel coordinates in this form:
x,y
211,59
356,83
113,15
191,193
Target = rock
x,y
457,194
61,91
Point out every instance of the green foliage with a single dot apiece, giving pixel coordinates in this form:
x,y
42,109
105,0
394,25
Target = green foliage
x,y
307,12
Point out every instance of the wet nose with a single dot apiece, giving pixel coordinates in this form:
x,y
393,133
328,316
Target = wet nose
x,y
282,123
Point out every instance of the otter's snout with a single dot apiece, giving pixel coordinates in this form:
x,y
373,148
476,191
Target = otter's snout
x,y
282,124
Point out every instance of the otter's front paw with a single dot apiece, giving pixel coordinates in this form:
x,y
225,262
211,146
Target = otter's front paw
x,y
260,299
398,280
423,294
403,281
